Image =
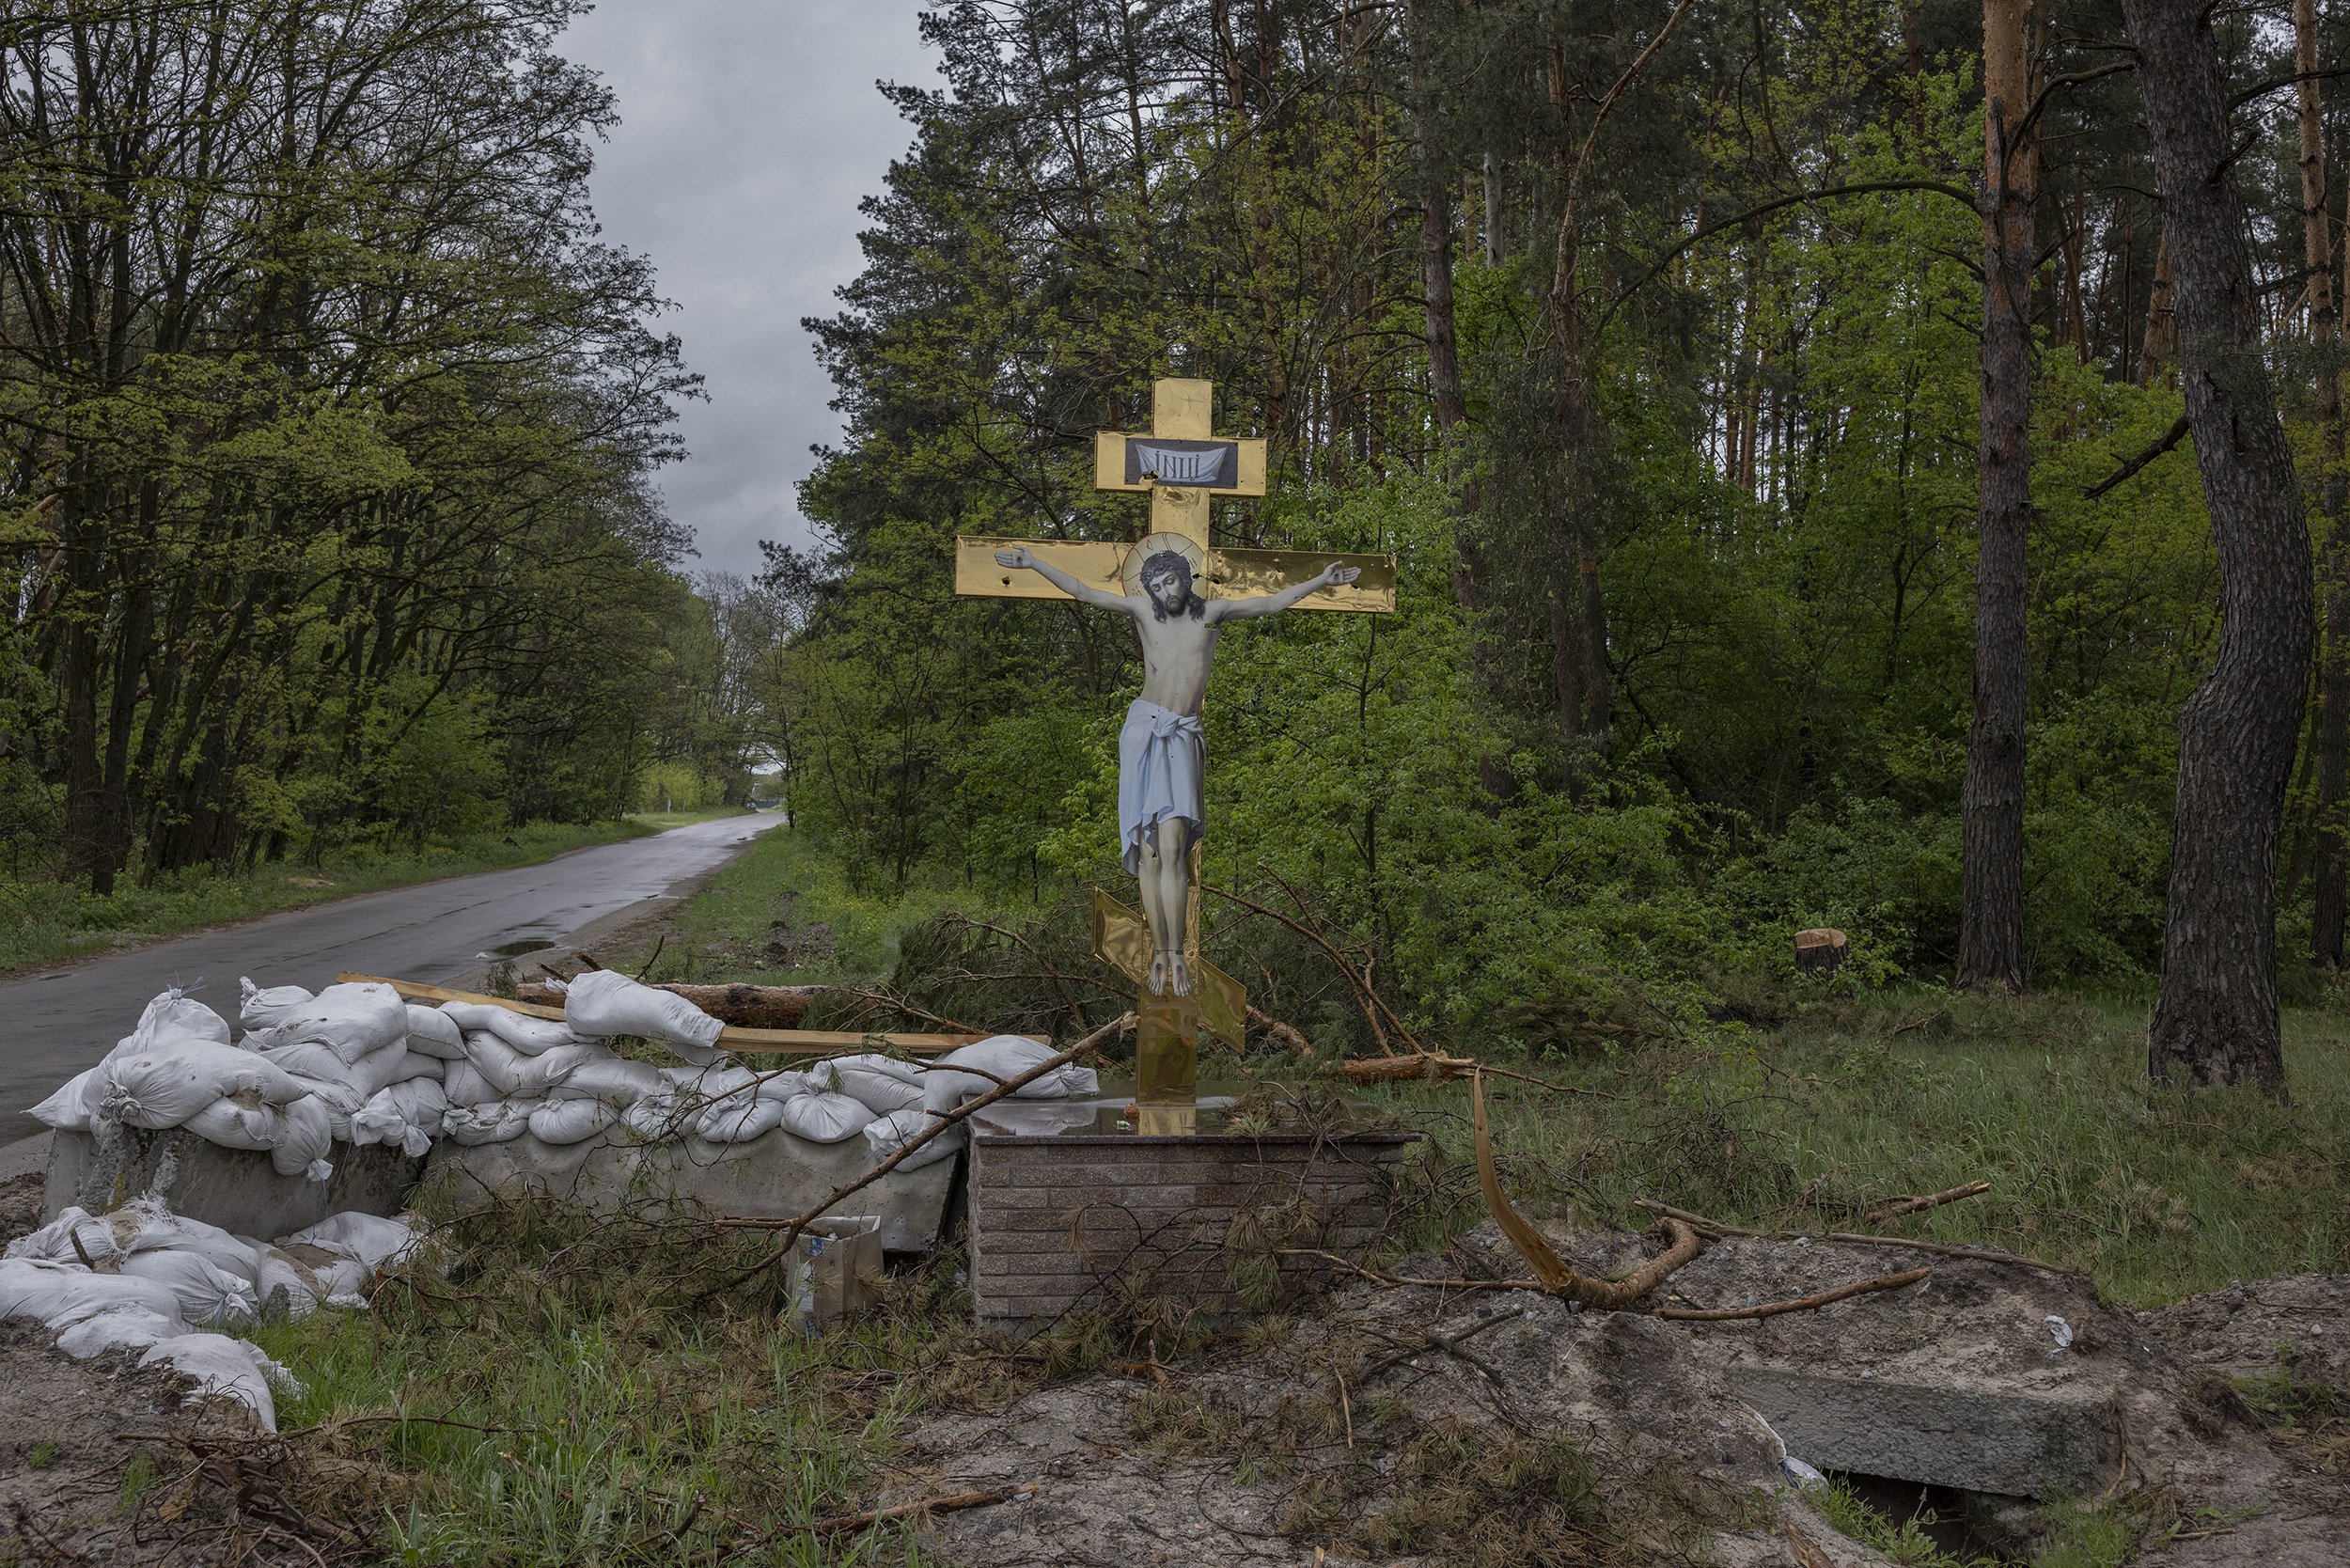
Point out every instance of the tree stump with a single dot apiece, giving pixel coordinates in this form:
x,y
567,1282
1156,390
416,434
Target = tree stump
x,y
1821,951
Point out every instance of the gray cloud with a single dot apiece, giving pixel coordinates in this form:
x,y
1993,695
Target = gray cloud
x,y
749,130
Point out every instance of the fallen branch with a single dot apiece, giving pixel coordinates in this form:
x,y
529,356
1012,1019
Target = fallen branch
x,y
2169,438
1364,1000
1800,1304
841,1524
1440,1068
1894,1208
1557,1277
1714,1228
1282,1034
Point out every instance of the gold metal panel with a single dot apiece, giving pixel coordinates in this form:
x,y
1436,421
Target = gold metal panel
x,y
1181,511
977,575
1109,462
1252,573
1183,408
1251,468
1122,938
1167,1051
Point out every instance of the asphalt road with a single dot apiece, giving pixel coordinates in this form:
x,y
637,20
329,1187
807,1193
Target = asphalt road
x,y
55,1023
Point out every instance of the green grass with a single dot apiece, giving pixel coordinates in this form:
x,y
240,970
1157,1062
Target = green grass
x,y
51,922
2158,1194
785,913
563,1397
679,819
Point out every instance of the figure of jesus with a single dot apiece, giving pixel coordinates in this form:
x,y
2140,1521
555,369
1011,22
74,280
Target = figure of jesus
x,y
1160,750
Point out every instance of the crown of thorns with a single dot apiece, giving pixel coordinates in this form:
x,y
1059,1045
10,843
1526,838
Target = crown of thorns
x,y
1164,562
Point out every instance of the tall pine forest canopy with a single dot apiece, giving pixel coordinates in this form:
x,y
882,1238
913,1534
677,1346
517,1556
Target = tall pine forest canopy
x,y
1651,338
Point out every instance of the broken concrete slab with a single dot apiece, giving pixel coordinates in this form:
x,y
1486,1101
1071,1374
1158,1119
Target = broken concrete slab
x,y
237,1189
774,1176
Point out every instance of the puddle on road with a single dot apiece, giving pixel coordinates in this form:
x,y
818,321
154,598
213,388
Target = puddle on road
x,y
517,948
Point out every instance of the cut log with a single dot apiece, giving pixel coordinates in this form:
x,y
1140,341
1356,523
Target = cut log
x,y
753,1007
1820,951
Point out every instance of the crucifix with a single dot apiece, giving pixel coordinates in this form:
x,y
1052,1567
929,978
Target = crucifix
x,y
1179,590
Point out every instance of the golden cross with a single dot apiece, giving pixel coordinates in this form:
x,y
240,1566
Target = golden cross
x,y
1182,466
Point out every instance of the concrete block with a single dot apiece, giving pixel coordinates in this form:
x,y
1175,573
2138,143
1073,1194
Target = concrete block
x,y
1982,1438
775,1176
237,1189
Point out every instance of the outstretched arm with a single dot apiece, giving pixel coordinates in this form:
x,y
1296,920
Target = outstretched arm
x,y
1085,593
1274,603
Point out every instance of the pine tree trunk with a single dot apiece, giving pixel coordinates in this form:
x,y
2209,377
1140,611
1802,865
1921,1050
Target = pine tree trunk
x,y
1991,920
2216,1020
2333,708
1435,233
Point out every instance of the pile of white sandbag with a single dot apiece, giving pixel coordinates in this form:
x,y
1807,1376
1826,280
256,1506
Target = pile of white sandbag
x,y
356,1064
170,1287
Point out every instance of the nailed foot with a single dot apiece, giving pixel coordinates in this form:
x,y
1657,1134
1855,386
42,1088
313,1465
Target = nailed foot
x,y
1182,975
1158,974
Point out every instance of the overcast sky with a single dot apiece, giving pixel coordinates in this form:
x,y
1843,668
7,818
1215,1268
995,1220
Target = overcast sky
x,y
749,130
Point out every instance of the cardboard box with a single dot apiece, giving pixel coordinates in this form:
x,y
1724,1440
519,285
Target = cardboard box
x,y
832,1270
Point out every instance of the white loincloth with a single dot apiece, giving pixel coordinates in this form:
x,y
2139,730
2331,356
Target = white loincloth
x,y
1160,753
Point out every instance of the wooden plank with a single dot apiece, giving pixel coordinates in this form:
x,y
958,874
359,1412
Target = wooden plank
x,y
747,1041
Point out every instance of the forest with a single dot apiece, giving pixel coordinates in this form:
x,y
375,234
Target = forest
x,y
1786,420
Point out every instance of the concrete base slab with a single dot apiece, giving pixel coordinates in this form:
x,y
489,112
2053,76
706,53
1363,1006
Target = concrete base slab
x,y
775,1176
1984,1438
237,1189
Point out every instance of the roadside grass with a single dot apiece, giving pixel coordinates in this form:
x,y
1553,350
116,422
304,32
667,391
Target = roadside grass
x,y
662,820
45,922
786,913
2156,1193
593,1391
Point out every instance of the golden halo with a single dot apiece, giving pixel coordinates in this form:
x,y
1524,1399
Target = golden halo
x,y
1130,573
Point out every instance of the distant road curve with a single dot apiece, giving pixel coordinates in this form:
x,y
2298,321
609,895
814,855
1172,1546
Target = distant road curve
x,y
56,1021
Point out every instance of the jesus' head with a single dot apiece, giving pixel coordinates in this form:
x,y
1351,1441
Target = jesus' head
x,y
1167,578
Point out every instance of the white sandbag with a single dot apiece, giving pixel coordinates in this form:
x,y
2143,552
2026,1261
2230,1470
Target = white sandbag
x,y
464,1085
886,1135
527,1035
371,1240
740,1121
823,1117
614,1080
210,1297
561,1122
605,1002
224,1367
518,1074
117,1328
435,1033
712,1081
661,1116
171,1023
305,1135
329,1279
420,1066
236,1123
145,1224
286,1289
881,1084
60,1294
264,1009
353,1020
364,1079
69,1106
408,1113
1000,1058
788,1085
163,1089
492,1121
